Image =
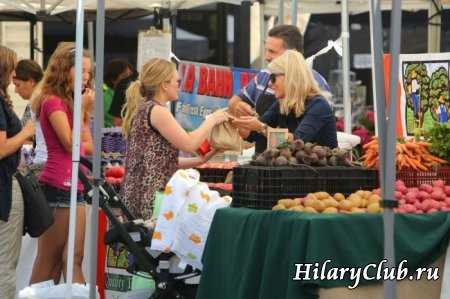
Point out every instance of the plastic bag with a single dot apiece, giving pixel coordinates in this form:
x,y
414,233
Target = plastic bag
x,y
48,290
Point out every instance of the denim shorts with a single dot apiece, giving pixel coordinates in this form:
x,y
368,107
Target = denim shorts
x,y
58,198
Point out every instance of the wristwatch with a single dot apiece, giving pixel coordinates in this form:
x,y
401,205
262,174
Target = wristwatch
x,y
263,129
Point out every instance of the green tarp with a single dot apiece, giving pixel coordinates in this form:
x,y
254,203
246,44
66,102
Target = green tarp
x,y
252,254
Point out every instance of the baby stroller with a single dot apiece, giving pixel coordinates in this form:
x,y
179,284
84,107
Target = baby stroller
x,y
136,237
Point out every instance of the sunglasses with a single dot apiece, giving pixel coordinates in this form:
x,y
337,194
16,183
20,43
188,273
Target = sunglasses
x,y
273,77
178,82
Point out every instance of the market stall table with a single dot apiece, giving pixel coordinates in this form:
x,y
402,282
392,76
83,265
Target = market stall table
x,y
251,253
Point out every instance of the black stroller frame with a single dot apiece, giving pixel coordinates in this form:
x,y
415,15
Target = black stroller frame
x,y
167,285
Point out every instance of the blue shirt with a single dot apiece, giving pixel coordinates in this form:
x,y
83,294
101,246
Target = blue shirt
x,y
317,124
253,90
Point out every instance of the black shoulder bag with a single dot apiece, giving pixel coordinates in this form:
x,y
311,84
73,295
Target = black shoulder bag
x,y
38,215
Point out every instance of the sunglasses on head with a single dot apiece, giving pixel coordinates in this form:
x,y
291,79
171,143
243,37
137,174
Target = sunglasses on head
x,y
273,77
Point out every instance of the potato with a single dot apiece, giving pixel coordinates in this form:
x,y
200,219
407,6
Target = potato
x,y
339,196
288,203
297,209
278,207
373,199
357,210
367,194
364,202
322,195
309,202
346,205
356,199
311,195
360,192
331,202
374,208
310,210
298,201
319,206
330,210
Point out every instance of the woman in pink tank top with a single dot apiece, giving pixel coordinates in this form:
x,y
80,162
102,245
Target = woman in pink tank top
x,y
54,108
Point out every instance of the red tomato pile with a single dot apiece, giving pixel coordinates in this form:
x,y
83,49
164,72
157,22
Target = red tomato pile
x,y
114,175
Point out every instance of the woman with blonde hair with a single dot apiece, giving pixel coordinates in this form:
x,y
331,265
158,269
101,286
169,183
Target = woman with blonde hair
x,y
154,137
12,137
54,109
302,107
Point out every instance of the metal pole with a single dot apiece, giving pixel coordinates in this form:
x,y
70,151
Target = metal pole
x,y
32,44
91,40
391,141
434,30
98,125
376,40
262,34
347,100
294,7
280,12
75,144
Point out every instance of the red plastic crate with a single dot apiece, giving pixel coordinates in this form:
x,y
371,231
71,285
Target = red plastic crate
x,y
413,178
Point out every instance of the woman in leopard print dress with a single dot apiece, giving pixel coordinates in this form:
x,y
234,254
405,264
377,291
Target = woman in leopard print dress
x,y
154,137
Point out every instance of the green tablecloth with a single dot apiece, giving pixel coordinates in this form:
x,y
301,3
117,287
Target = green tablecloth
x,y
251,254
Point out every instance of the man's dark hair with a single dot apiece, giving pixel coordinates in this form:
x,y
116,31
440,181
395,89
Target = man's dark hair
x,y
291,36
113,69
27,69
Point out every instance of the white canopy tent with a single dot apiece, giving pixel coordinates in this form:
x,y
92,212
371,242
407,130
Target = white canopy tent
x,y
53,7
354,6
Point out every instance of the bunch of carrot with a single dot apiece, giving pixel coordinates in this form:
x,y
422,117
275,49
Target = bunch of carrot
x,y
409,155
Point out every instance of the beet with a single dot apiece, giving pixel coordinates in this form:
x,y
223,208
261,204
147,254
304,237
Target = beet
x,y
281,161
308,147
300,155
319,151
293,161
314,158
286,152
323,162
333,161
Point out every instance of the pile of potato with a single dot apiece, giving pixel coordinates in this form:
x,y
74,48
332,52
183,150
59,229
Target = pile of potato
x,y
299,152
321,202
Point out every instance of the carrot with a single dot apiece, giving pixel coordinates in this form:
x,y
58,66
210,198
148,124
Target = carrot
x,y
438,160
411,146
422,167
423,143
372,143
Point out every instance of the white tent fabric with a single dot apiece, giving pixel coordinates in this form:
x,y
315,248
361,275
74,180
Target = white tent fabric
x,y
58,6
354,6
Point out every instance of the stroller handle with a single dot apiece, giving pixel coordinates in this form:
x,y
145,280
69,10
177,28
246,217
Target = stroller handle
x,y
107,192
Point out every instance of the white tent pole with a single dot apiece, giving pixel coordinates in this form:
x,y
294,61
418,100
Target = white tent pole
x,y
98,125
346,67
390,144
90,27
434,30
75,143
376,40
280,12
262,32
294,7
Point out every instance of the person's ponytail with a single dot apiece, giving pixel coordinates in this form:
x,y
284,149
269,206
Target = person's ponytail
x,y
134,97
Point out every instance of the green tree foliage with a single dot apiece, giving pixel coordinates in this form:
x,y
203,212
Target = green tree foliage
x,y
439,91
417,71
